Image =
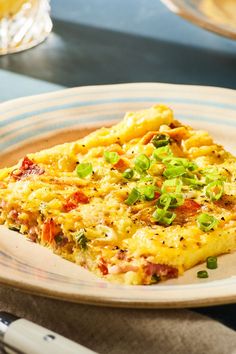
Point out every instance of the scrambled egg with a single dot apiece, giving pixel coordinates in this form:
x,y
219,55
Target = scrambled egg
x,y
136,203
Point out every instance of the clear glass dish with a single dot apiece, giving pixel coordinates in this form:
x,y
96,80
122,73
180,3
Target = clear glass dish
x,y
218,16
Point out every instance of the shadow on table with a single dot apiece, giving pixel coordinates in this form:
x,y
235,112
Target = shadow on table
x,y
225,314
77,55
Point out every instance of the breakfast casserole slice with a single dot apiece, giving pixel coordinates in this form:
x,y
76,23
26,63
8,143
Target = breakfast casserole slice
x,y
136,203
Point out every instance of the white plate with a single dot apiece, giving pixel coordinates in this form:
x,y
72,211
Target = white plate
x,y
32,123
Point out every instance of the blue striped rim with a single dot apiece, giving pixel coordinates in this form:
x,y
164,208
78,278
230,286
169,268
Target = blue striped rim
x,y
69,123
51,127
122,90
117,100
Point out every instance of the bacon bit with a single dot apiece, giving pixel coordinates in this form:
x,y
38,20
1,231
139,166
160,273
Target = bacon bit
x,y
102,265
122,164
115,148
13,214
26,163
75,199
161,270
32,234
190,207
121,254
49,231
226,202
28,167
148,137
157,195
122,268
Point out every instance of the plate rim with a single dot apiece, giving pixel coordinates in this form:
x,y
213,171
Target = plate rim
x,y
41,291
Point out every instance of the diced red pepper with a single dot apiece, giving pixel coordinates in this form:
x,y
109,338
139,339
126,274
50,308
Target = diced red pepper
x,y
73,200
49,230
103,267
121,165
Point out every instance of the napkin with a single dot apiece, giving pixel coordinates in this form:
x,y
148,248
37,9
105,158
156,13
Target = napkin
x,y
123,331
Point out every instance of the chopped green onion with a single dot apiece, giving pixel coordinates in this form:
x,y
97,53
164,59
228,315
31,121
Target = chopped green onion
x,y
164,201
128,174
160,140
180,161
214,190
163,216
142,163
211,174
155,278
162,152
211,262
206,222
133,197
202,274
82,240
170,200
58,238
146,178
148,192
175,171
192,166
84,169
172,185
111,157
192,181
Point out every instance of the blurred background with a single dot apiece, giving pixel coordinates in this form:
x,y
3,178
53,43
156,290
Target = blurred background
x,y
102,42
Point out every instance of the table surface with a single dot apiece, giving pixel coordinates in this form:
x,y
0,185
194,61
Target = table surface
x,y
102,42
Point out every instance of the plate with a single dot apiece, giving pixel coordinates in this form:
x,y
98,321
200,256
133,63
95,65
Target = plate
x,y
36,122
218,16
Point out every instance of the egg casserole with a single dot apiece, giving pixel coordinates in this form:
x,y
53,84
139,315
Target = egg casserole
x,y
136,203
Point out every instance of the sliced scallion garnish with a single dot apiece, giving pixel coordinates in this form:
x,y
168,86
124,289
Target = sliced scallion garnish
x,y
133,197
180,161
84,169
215,190
192,181
170,200
148,192
162,152
172,185
160,140
128,174
174,171
111,157
142,163
163,216
211,174
206,222
211,262
82,240
202,274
